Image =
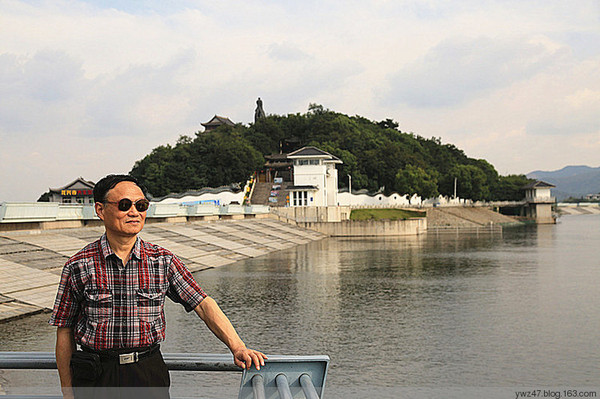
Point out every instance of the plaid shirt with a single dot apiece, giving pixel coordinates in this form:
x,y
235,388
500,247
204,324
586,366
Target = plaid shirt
x,y
114,306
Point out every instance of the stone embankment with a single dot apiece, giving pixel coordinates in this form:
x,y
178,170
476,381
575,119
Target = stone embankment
x,y
578,209
466,217
31,261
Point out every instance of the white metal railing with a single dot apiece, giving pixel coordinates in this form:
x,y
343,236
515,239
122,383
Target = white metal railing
x,y
24,212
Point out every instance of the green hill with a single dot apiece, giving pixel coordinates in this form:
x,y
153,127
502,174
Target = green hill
x,y
377,155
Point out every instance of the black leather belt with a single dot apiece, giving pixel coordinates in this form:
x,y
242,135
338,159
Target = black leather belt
x,y
124,356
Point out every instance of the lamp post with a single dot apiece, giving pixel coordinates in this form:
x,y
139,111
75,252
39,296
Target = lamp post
x,y
455,188
350,184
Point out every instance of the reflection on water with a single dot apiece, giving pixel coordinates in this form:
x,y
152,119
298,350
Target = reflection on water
x,y
511,309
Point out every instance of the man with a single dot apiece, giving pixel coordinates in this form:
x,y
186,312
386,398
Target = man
x,y
110,301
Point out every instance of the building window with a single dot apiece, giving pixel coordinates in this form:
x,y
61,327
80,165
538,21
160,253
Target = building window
x,y
300,198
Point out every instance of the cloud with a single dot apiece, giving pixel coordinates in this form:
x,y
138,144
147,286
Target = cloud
x,y
584,44
545,122
286,52
144,7
38,92
49,89
83,82
142,99
457,71
574,115
49,76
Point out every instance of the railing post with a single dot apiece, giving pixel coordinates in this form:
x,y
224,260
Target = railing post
x,y
258,386
283,387
307,386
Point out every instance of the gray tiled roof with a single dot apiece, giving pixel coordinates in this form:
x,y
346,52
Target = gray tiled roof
x,y
82,183
313,152
218,121
308,152
538,184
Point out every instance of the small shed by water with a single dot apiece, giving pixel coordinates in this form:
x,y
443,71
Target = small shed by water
x,y
539,201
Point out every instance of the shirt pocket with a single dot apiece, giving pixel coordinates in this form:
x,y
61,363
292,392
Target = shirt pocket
x,y
150,304
98,305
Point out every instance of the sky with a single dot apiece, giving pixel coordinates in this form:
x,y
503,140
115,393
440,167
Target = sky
x,y
89,87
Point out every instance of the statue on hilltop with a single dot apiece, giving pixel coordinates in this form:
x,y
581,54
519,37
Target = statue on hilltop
x,y
259,113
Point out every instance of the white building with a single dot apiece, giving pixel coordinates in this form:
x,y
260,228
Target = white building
x,y
315,178
539,201
79,191
539,191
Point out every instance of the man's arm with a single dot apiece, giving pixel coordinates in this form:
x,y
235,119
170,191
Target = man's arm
x,y
219,324
65,346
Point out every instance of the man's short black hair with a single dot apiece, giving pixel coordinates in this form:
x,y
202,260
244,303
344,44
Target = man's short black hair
x,y
107,183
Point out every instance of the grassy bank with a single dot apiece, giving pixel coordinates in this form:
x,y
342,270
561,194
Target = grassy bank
x,y
379,214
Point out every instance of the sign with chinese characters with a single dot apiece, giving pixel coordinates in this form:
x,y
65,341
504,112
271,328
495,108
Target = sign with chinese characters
x,y
66,193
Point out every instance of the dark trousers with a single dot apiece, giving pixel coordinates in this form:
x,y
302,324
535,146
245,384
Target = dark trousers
x,y
147,378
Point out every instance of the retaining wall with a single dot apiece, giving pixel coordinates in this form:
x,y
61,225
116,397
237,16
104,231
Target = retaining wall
x,y
313,214
369,228
46,216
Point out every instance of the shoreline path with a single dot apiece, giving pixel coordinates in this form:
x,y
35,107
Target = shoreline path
x,y
31,261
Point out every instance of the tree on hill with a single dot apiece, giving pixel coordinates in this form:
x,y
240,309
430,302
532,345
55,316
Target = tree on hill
x,y
470,182
219,157
510,188
376,154
416,180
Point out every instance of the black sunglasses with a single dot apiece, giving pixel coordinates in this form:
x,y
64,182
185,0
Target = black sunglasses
x,y
125,204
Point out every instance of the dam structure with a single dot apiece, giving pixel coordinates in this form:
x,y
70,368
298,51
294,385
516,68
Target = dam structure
x,y
31,260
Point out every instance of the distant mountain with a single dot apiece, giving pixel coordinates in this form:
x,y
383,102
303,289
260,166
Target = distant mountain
x,y
571,181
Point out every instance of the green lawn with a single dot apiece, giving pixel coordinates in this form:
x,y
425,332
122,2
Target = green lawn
x,y
379,214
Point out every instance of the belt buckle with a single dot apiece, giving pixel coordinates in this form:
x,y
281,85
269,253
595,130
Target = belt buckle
x,y
127,358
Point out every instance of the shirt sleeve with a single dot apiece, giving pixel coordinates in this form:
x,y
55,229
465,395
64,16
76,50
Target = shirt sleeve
x,y
64,313
183,288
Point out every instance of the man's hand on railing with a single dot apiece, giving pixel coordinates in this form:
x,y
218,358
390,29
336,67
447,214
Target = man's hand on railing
x,y
244,358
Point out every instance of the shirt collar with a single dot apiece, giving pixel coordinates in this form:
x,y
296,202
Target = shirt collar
x,y
137,248
107,250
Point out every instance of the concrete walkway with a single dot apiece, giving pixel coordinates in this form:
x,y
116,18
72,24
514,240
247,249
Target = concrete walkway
x,y
31,261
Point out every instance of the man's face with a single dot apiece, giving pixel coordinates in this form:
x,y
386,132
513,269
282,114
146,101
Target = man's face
x,y
122,223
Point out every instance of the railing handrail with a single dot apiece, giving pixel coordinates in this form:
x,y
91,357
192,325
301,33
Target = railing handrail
x,y
174,361
307,372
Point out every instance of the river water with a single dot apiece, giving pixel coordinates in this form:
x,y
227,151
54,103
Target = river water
x,y
488,311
